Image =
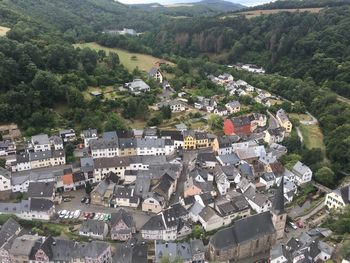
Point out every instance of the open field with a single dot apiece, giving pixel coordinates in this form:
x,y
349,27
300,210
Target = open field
x,y
129,59
3,30
313,137
301,117
255,13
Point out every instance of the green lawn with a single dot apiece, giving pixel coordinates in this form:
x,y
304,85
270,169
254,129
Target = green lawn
x,y
3,30
313,137
129,59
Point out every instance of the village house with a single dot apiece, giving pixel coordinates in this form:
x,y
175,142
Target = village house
x,y
338,198
103,192
206,104
103,147
7,147
5,180
33,209
176,136
137,86
94,229
233,106
67,135
209,219
166,187
88,135
283,120
232,206
221,111
122,225
8,233
223,144
303,173
124,196
174,105
274,135
259,202
42,190
155,74
153,203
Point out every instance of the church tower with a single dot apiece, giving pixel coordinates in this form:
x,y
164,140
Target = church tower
x,y
279,216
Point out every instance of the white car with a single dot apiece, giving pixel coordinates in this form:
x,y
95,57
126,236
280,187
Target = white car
x,y
97,216
292,225
102,216
71,214
66,216
76,214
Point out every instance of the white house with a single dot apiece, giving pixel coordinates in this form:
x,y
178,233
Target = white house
x,y
339,198
5,180
146,146
40,143
233,106
303,173
88,135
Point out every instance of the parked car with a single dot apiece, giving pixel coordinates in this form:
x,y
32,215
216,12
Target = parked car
x,y
97,216
76,214
292,225
67,199
87,201
83,199
86,215
71,215
92,215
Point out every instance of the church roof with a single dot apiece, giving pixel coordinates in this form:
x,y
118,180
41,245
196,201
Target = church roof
x,y
278,201
244,230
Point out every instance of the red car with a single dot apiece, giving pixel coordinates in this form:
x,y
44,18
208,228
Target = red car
x,y
86,215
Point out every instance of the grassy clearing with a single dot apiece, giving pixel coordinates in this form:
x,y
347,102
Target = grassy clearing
x,y
255,13
3,30
129,59
313,137
301,117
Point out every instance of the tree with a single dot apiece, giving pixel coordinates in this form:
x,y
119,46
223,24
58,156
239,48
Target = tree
x,y
2,163
69,152
215,122
290,160
183,65
166,112
325,176
114,123
88,188
197,232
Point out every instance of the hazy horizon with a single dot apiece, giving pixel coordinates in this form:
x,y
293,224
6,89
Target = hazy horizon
x,y
242,2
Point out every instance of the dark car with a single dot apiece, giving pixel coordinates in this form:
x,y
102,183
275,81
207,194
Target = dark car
x,y
83,199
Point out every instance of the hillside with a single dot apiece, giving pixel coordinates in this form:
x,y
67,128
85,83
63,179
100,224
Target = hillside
x,y
192,9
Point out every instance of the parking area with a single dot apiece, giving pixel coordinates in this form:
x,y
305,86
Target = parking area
x,y
74,204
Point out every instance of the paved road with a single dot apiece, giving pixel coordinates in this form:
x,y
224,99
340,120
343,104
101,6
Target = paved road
x,y
140,217
314,121
300,135
273,123
322,187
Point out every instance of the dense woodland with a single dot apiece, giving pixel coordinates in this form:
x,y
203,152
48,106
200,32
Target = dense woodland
x,y
41,73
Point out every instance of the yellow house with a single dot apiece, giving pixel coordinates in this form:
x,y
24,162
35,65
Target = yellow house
x,y
338,199
196,140
202,140
189,140
283,120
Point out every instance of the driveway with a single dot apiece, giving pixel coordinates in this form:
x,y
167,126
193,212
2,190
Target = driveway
x,y
140,217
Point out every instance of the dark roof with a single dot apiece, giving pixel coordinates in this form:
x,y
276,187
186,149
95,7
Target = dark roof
x,y
278,201
40,205
93,226
201,135
206,157
227,140
179,210
8,230
124,192
345,194
172,134
241,121
164,185
121,215
41,189
46,246
78,177
154,223
125,143
243,230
